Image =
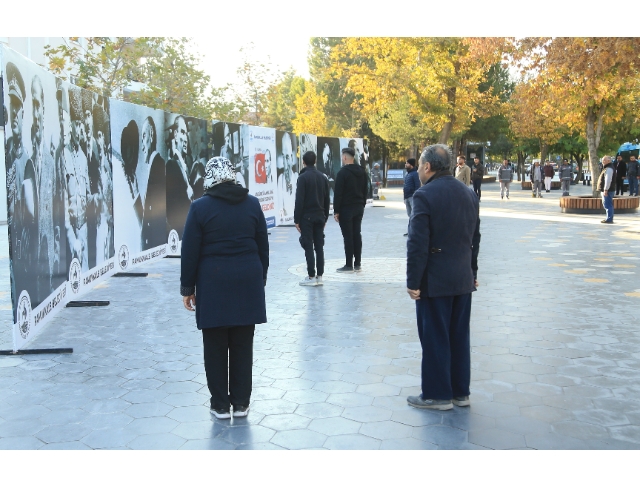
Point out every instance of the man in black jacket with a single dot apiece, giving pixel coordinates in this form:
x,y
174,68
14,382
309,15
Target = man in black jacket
x,y
310,216
349,201
442,268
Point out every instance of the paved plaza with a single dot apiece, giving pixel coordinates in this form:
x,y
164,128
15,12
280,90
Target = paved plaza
x,y
555,334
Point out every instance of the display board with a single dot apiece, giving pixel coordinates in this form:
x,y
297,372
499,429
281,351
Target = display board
x,y
288,170
59,191
361,158
261,143
139,183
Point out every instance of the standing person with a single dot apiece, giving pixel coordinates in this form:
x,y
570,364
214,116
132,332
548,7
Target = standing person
x,y
537,177
620,173
463,172
607,185
477,173
179,191
225,259
310,217
548,175
633,175
441,275
411,183
376,180
505,176
566,173
348,208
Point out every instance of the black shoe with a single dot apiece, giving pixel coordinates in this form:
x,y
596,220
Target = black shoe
x,y
606,221
357,267
240,411
345,268
221,413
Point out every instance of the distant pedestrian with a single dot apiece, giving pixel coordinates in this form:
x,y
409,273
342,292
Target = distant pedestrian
x,y
607,185
348,208
505,176
376,180
537,178
620,173
548,175
565,174
411,184
477,173
633,175
225,259
310,217
442,256
463,172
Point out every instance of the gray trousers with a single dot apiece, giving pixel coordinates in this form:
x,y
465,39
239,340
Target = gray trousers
x,y
504,188
565,186
537,187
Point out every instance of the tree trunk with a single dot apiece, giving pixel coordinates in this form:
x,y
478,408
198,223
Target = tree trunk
x,y
594,119
544,147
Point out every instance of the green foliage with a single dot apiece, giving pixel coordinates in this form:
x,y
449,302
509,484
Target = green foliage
x,y
281,98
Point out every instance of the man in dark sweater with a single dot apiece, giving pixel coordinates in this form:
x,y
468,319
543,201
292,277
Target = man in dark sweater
x,y
349,201
411,183
310,216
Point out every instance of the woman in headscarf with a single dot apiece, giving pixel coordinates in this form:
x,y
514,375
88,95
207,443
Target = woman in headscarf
x,y
225,258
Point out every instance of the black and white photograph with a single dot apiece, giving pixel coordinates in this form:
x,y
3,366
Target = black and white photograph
x,y
139,181
59,183
230,140
329,161
287,164
361,148
308,142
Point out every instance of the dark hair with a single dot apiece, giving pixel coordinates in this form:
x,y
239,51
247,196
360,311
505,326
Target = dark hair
x,y
462,157
309,158
350,151
438,155
411,161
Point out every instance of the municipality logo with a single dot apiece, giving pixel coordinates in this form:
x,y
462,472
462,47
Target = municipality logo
x,y
173,241
23,317
74,275
123,257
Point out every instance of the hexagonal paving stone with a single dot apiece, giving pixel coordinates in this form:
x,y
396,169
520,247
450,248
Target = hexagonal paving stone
x,y
385,430
335,387
199,430
157,441
58,433
239,435
305,396
319,410
152,425
352,442
497,439
335,426
441,435
299,439
366,414
208,444
350,399
283,422
149,410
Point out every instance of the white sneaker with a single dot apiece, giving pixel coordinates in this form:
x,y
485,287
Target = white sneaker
x,y
319,281
308,281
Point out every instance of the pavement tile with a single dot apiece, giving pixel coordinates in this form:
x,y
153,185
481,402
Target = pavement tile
x,y
299,439
334,426
199,430
157,441
385,430
441,435
150,409
354,442
283,422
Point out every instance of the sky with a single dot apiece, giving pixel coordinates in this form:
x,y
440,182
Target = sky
x,y
283,52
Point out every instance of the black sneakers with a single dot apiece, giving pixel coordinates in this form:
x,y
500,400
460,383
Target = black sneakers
x,y
345,269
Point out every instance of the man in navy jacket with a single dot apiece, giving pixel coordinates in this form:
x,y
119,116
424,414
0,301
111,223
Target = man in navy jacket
x,y
411,184
442,253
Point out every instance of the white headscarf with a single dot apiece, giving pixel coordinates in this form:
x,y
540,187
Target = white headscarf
x,y
218,170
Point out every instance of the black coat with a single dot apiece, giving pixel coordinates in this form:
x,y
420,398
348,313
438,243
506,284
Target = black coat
x,y
351,188
178,200
225,257
444,238
312,195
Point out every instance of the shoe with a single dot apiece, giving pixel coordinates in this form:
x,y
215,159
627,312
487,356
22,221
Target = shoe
x,y
501,197
220,413
539,196
548,191
319,281
240,411
606,221
357,267
461,401
439,404
507,197
309,281
345,268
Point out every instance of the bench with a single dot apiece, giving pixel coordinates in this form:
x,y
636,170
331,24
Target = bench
x,y
589,204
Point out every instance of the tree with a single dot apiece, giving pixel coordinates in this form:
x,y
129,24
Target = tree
x,y
172,80
438,77
256,76
281,108
102,64
310,112
590,79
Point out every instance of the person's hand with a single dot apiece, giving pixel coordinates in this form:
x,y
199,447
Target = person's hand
x,y
336,217
189,302
265,282
414,294
475,283
606,193
298,228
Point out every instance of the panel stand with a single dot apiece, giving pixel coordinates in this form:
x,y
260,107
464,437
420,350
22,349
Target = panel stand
x,y
171,256
36,351
131,274
85,304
